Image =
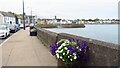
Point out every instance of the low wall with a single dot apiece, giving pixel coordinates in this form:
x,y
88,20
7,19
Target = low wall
x,y
46,36
101,53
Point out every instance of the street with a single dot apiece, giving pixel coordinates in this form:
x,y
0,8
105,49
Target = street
x,y
2,40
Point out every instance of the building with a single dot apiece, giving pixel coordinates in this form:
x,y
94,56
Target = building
x,y
7,17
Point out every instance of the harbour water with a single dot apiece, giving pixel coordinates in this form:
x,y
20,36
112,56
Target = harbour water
x,y
106,32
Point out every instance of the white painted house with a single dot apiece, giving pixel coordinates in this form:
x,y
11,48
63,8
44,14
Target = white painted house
x,y
7,17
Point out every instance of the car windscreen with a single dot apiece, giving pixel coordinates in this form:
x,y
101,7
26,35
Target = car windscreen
x,y
2,28
11,26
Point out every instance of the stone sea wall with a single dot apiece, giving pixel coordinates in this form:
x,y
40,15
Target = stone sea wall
x,y
101,53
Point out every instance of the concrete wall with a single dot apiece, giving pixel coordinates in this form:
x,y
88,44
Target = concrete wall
x,y
101,53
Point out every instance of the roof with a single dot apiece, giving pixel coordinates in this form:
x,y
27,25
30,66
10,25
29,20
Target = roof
x,y
10,14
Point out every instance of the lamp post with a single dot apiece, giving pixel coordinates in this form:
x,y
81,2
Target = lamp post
x,y
23,16
30,16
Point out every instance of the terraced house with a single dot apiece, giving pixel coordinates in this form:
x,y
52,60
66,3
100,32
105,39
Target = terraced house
x,y
7,17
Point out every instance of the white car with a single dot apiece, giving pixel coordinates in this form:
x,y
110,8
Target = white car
x,y
21,26
4,31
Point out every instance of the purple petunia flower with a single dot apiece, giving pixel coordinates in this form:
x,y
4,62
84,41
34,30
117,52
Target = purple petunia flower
x,y
87,48
70,48
56,41
78,41
52,49
79,53
83,44
73,51
70,40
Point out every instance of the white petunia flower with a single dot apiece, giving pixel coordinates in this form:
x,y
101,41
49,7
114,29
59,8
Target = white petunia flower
x,y
71,60
60,51
57,55
63,60
74,54
77,47
66,48
63,44
60,41
60,57
80,49
57,51
68,51
67,41
60,47
75,57
68,56
63,53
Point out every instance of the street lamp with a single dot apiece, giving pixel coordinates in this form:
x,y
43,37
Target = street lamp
x,y
31,17
23,16
31,21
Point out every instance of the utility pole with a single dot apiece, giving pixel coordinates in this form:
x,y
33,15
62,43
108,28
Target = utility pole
x,y
23,16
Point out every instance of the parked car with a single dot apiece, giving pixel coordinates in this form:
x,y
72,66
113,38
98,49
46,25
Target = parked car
x,y
17,27
31,24
4,31
13,28
6,24
27,25
21,26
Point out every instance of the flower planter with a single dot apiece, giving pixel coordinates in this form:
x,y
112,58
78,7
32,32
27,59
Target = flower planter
x,y
33,31
75,64
70,54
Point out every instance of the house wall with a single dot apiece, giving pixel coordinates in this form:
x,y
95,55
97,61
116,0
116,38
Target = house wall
x,y
1,19
9,19
19,21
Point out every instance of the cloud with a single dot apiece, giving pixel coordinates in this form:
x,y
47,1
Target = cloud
x,y
64,8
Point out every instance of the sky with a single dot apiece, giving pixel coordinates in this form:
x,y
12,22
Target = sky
x,y
65,9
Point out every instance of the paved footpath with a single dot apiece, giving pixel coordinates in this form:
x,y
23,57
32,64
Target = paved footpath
x,y
24,50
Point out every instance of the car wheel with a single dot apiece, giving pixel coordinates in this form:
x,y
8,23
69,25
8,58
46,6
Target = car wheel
x,y
5,35
14,31
9,34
